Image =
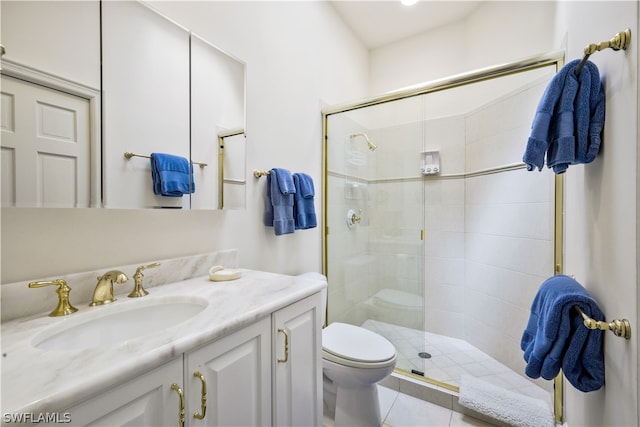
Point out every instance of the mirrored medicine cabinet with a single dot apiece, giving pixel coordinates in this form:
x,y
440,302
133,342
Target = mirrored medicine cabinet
x,y
161,88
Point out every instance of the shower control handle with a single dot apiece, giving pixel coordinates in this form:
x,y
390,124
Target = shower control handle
x,y
353,218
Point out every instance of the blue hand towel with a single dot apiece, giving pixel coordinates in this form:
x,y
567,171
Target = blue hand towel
x,y
543,125
267,217
569,120
588,121
590,112
555,336
561,152
303,208
281,190
172,175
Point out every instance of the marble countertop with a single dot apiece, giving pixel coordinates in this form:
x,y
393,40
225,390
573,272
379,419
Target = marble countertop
x,y
38,381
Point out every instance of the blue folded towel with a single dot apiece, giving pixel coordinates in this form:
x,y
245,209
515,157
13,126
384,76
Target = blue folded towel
x,y
172,175
544,121
569,120
555,336
304,212
279,201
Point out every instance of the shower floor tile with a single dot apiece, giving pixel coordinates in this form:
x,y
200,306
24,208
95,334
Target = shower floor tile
x,y
450,359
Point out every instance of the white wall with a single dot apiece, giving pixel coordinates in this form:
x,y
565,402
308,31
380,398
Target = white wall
x,y
602,209
61,53
299,56
495,33
508,226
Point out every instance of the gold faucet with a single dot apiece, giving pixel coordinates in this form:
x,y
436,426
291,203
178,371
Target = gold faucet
x,y
138,290
64,307
103,294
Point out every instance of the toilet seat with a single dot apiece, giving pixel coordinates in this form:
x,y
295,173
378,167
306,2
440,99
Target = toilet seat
x,y
350,345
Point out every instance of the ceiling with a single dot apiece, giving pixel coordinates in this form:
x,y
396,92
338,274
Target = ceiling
x,y
377,23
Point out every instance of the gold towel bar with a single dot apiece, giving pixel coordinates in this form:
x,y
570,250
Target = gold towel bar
x,y
129,154
618,42
258,173
620,328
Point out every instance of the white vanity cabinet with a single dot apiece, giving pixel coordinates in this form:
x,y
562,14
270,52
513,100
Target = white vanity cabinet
x,y
238,369
234,376
297,364
234,370
267,373
147,400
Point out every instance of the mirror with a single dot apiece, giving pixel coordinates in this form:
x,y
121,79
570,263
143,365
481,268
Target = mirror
x,y
162,89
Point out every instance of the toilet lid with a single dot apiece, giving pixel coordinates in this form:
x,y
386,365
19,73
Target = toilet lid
x,y
355,343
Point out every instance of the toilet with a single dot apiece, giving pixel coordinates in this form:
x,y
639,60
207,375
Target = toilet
x,y
354,360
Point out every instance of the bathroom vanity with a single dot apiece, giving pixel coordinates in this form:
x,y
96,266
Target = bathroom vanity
x,y
193,352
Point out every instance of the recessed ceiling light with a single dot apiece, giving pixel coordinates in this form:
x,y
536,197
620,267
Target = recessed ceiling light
x,y
409,2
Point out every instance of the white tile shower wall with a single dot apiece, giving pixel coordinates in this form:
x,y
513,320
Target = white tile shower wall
x,y
400,147
508,228
497,133
444,230
447,134
349,164
345,278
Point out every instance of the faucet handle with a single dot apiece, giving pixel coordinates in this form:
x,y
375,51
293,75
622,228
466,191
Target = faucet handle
x,y
138,290
64,307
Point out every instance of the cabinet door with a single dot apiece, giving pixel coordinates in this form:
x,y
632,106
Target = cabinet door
x,y
145,401
297,355
236,370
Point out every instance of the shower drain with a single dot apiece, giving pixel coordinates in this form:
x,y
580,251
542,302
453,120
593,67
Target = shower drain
x,y
424,355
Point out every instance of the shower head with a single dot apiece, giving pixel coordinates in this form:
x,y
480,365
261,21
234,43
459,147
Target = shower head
x,y
371,145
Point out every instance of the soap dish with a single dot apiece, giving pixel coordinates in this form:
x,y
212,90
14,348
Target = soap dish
x,y
220,274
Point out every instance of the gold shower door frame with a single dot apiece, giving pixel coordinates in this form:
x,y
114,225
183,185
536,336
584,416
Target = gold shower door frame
x,y
551,58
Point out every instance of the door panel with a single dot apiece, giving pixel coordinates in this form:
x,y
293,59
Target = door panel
x,y
45,146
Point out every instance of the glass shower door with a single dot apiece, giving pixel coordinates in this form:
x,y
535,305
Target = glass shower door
x,y
375,218
444,265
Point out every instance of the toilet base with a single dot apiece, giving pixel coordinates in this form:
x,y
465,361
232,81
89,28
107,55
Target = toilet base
x,y
357,407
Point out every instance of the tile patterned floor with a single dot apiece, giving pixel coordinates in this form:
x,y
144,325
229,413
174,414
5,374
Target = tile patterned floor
x,y
450,359
401,410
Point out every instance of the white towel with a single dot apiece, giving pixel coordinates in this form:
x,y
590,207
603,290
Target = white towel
x,y
509,407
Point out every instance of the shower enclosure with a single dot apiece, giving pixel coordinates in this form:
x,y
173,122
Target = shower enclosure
x,y
436,235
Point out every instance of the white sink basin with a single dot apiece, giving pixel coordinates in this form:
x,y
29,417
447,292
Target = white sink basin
x,y
114,324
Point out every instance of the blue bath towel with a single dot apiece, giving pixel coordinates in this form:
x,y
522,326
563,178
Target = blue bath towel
x,y
172,175
303,207
555,336
569,120
279,201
